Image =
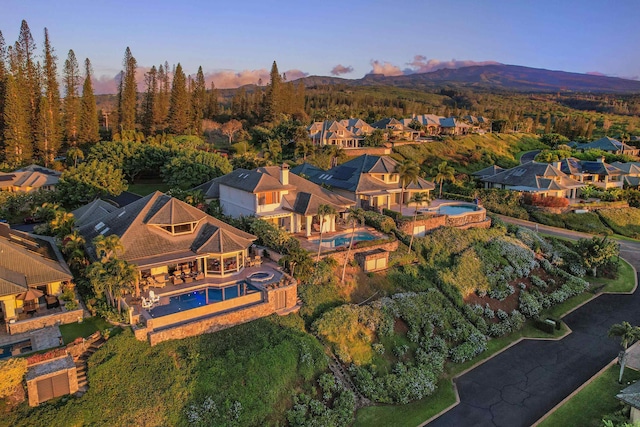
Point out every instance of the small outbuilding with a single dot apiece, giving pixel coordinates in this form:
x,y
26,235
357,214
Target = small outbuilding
x,y
374,260
50,379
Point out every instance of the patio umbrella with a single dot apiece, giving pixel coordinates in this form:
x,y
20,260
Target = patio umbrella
x,y
30,295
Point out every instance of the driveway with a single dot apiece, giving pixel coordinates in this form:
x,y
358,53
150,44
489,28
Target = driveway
x,y
521,384
528,156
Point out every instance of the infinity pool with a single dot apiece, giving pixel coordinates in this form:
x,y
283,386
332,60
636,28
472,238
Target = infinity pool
x,y
200,297
453,209
344,239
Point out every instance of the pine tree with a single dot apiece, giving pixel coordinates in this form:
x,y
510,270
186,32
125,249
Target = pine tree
x,y
179,111
89,126
3,85
27,80
149,103
17,133
49,136
128,104
162,103
273,101
71,100
213,107
198,101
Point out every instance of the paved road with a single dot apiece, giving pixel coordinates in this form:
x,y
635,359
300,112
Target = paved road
x,y
528,156
521,384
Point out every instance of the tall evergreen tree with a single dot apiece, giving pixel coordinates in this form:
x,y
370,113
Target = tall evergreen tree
x,y
198,101
3,85
149,105
49,136
71,80
273,99
17,133
89,125
179,111
27,79
129,101
162,103
213,107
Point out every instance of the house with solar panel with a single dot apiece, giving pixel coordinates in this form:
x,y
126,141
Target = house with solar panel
x,y
631,177
372,182
29,178
543,179
275,195
597,173
33,274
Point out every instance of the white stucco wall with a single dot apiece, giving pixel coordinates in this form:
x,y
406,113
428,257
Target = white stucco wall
x,y
237,203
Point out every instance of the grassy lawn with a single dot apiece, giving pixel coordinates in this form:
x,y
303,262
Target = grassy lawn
x,y
592,402
88,326
625,281
143,188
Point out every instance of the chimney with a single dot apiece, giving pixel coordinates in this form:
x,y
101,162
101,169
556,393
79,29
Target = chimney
x,y
284,174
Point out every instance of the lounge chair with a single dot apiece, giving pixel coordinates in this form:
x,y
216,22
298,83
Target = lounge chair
x,y
153,297
146,304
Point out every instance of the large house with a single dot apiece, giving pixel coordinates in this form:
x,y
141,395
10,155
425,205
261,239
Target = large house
x,y
29,178
541,178
32,275
597,173
162,235
369,181
631,170
607,144
275,195
396,129
345,134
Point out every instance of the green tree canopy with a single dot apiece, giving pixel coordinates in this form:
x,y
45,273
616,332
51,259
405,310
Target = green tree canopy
x,y
89,180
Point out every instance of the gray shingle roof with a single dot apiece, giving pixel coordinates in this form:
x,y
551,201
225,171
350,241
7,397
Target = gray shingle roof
x,y
92,212
573,166
146,243
631,395
27,260
488,171
534,176
605,144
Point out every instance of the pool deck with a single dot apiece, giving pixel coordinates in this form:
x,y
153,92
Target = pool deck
x,y
310,243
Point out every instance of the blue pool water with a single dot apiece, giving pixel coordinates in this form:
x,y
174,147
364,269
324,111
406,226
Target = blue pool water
x,y
202,297
457,209
5,350
344,239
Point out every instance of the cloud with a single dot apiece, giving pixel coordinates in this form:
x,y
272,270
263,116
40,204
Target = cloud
x,y
596,73
340,69
385,68
421,64
223,79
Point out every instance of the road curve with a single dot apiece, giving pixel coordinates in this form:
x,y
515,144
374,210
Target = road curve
x,y
521,384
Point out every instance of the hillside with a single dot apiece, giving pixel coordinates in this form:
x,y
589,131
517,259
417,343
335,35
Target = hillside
x,y
494,77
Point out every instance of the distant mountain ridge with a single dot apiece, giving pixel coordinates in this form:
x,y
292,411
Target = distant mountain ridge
x,y
494,76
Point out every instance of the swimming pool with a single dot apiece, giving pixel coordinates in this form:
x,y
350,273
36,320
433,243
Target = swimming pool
x,y
344,239
200,297
453,209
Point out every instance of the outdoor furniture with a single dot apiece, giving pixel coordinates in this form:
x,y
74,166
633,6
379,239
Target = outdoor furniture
x,y
146,304
153,297
52,301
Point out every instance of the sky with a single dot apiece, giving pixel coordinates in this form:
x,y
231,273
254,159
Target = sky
x,y
236,42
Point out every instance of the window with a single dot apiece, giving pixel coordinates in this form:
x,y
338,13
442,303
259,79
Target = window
x,y
268,198
182,228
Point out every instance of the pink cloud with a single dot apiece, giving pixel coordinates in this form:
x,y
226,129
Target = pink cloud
x,y
340,69
421,64
385,68
596,73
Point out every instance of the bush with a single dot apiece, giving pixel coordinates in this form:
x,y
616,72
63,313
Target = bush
x,y
380,222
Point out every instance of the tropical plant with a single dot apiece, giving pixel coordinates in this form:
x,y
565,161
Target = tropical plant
x,y
628,335
323,211
356,216
107,247
418,199
304,147
443,173
409,171
597,252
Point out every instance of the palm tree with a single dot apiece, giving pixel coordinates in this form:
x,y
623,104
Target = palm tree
x,y
336,153
62,224
323,211
409,171
272,151
73,249
304,147
444,172
74,153
356,216
122,277
628,335
107,247
418,199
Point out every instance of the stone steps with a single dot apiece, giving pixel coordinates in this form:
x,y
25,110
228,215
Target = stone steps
x,y
82,368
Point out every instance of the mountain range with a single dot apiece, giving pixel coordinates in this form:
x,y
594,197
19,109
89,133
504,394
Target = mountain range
x,y
492,77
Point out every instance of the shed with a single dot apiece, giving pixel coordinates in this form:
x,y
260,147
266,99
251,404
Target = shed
x,y
374,260
50,379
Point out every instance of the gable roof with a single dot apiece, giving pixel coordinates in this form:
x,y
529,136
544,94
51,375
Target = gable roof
x,y
92,211
574,166
488,171
28,260
630,168
306,169
605,144
533,176
32,176
354,175
145,243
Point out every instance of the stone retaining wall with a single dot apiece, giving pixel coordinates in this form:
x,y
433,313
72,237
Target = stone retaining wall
x,y
44,321
340,255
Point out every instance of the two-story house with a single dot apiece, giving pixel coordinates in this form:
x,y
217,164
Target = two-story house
x,y
371,182
275,195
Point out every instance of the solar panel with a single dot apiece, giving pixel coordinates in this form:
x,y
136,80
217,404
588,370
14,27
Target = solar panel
x,y
344,172
7,177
